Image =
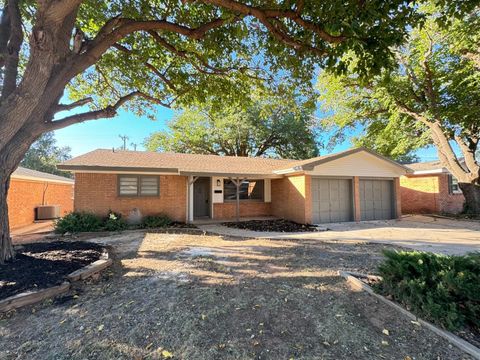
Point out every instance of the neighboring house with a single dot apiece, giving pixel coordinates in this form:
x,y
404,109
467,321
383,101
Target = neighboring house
x,y
352,185
430,189
31,188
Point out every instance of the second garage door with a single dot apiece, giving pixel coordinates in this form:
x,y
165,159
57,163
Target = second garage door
x,y
331,200
376,199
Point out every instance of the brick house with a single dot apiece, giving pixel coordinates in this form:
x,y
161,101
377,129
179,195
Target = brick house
x,y
430,189
352,185
30,188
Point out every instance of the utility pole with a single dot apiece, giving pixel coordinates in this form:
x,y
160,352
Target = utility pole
x,y
124,138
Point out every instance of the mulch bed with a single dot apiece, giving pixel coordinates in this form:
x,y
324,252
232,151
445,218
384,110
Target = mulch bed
x,y
279,225
44,264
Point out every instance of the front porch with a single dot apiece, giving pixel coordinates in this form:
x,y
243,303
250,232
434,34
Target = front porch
x,y
220,198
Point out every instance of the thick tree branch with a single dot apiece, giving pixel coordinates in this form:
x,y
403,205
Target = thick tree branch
x,y
108,112
446,154
56,11
66,107
4,33
118,28
265,15
468,155
428,83
13,49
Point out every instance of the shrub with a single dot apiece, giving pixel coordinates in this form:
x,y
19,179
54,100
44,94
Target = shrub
x,y
158,221
114,222
440,288
78,222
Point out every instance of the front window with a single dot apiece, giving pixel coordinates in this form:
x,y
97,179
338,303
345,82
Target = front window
x,y
249,190
453,185
136,185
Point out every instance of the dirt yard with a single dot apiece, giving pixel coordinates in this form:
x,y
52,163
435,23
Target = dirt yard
x,y
207,297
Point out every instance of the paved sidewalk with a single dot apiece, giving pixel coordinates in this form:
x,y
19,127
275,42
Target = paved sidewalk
x,y
424,233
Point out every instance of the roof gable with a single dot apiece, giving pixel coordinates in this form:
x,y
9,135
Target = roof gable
x,y
311,164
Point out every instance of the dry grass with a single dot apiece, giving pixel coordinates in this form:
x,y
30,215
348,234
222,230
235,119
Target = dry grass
x,y
207,297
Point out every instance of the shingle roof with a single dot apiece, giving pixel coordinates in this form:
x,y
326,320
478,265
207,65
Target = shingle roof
x,y
124,160
22,172
423,166
431,166
173,162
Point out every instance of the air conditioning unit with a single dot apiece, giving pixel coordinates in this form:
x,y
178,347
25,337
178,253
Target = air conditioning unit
x,y
46,212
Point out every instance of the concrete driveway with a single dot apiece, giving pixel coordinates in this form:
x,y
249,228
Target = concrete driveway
x,y
424,233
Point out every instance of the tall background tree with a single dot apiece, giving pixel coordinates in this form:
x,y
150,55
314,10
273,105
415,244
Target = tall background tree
x,y
109,54
431,98
45,154
280,125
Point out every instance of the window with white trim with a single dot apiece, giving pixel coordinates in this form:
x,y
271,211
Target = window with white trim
x,y
453,186
249,190
138,185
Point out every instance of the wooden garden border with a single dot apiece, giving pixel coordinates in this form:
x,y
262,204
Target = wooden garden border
x,y
354,281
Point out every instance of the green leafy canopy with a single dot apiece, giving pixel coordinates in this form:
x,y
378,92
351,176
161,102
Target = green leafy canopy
x,y
277,125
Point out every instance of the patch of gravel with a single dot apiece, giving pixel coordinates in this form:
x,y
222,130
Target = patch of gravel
x,y
260,299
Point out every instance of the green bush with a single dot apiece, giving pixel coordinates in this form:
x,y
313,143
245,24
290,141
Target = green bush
x,y
158,221
78,222
443,289
114,222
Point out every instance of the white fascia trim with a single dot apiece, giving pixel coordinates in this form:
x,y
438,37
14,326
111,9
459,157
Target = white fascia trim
x,y
433,171
289,170
31,178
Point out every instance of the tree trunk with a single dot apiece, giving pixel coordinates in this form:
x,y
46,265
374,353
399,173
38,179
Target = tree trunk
x,y
6,248
472,198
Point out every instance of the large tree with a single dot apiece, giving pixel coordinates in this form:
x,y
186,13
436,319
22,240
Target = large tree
x,y
45,154
431,97
113,53
278,125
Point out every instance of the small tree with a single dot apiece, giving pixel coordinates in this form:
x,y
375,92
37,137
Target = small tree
x,y
44,155
109,54
431,97
274,125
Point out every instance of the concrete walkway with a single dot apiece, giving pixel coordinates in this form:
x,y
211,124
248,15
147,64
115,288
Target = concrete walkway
x,y
424,233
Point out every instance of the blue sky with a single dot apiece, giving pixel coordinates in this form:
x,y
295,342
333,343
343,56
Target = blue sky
x,y
82,138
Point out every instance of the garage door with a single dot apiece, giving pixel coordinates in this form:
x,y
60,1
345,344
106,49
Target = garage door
x,y
376,199
331,200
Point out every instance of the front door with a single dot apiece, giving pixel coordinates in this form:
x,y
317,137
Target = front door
x,y
201,197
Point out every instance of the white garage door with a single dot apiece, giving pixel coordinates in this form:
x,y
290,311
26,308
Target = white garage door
x,y
376,199
331,200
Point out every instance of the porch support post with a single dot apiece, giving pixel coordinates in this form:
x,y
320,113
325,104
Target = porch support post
x,y
238,199
237,183
191,181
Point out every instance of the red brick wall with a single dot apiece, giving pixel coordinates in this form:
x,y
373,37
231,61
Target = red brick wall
x,y
291,198
228,210
449,203
428,194
97,193
25,195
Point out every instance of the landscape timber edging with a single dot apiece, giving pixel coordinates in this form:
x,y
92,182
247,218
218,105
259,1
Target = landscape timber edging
x,y
463,345
34,297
